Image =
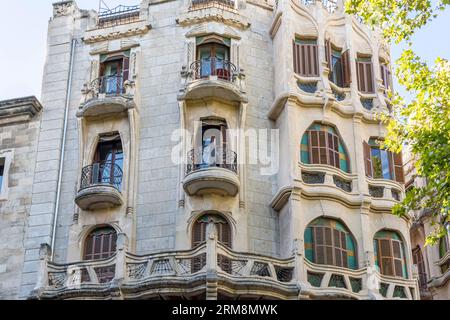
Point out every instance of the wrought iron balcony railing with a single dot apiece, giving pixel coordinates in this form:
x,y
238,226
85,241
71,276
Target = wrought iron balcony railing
x,y
223,69
109,85
210,157
118,16
202,4
103,173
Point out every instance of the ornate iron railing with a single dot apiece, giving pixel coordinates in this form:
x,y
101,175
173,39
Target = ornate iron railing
x,y
223,69
201,4
109,85
103,173
118,16
209,157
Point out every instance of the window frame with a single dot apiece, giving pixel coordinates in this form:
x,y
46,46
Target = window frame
x,y
391,259
305,55
7,156
91,256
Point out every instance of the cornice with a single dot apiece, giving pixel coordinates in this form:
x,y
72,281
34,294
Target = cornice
x,y
19,110
229,18
135,29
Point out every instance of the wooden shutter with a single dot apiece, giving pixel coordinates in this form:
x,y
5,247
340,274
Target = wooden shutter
x,y
398,167
126,68
224,233
198,233
328,54
367,159
346,73
100,244
385,76
365,76
306,62
314,146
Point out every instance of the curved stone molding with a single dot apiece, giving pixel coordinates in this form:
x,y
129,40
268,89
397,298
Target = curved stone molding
x,y
105,106
213,87
229,18
98,197
215,180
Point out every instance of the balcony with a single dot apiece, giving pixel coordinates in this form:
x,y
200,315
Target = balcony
x,y
107,95
100,186
213,78
210,270
211,171
364,283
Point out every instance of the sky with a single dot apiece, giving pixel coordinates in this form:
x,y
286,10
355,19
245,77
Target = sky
x,y
23,32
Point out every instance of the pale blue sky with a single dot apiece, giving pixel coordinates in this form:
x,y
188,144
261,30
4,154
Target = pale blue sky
x,y
23,32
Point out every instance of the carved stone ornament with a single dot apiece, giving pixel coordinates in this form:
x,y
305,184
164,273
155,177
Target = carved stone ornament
x,y
63,8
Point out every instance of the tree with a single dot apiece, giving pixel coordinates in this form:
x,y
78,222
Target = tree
x,y
423,123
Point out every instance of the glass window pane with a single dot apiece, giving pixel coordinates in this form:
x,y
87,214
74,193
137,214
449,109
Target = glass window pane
x,y
385,164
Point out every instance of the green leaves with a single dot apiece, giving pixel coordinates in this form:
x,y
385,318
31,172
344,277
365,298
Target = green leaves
x,y
398,19
422,124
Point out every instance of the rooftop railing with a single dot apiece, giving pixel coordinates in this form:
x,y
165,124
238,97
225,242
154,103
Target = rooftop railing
x,y
118,16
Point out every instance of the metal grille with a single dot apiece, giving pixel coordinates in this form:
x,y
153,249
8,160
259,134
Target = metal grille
x,y
118,16
376,192
109,85
337,281
367,104
208,158
315,279
223,69
313,178
260,269
102,173
399,292
356,284
105,274
383,289
284,274
342,184
309,87
202,4
161,267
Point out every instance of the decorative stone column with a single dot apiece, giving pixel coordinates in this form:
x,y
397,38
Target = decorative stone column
x,y
211,261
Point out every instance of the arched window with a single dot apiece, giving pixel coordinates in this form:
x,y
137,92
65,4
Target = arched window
x,y
100,244
418,260
390,254
321,144
222,227
108,161
199,236
328,241
443,249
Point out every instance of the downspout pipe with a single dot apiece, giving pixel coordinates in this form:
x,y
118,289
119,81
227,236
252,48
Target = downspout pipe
x,y
63,146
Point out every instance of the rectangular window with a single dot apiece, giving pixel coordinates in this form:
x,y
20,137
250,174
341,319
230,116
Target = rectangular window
x,y
306,61
336,75
114,71
386,76
364,71
381,163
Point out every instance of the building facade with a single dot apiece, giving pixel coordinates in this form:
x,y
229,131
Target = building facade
x,y
224,149
432,262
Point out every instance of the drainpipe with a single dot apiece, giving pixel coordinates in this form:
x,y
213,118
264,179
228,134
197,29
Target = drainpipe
x,y
63,146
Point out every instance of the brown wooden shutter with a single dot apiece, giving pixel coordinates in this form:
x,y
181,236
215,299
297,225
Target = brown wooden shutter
x,y
369,77
224,233
398,168
306,62
328,54
346,73
385,76
126,68
360,76
314,146
367,159
198,233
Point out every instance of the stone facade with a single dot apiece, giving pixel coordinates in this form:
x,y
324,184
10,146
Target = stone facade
x,y
19,132
162,213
